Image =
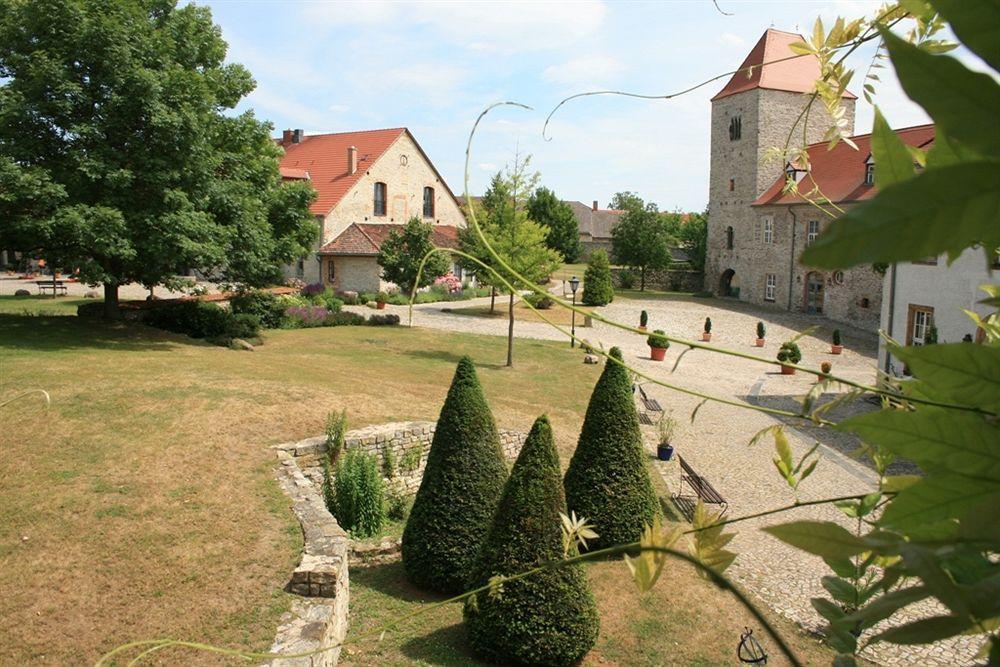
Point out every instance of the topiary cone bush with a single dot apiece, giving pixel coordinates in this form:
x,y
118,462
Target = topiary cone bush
x,y
708,325
761,331
597,287
608,481
643,319
551,617
836,348
458,494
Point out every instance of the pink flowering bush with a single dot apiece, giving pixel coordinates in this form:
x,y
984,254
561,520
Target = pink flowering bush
x,y
449,282
306,316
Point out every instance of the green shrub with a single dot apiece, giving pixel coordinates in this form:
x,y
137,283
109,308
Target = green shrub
x,y
335,428
358,494
539,301
462,482
658,339
398,506
196,319
836,336
92,309
377,320
643,318
243,325
343,318
626,279
761,330
608,481
265,305
789,352
597,288
410,461
551,617
388,463
708,325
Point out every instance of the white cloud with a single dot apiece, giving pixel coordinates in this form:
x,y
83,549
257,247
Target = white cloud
x,y
268,105
730,39
585,70
430,79
339,108
487,166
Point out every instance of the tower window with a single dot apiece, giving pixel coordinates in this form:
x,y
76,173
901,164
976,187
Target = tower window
x,y
735,128
428,202
812,232
768,229
729,237
770,286
732,184
380,197
870,173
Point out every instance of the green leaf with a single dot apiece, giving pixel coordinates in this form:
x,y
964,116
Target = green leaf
x,y
821,538
845,660
957,372
920,508
839,589
977,24
962,102
827,609
842,567
960,442
947,151
954,207
888,604
923,563
897,483
892,161
925,631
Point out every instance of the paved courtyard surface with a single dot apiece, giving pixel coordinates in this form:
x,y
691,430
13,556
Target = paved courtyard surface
x,y
716,443
132,291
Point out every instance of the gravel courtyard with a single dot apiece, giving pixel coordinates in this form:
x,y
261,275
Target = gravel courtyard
x,y
716,442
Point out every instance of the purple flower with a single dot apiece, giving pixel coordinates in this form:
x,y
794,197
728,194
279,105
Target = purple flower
x,y
313,289
308,316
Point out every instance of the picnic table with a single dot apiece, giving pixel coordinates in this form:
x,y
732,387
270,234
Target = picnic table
x,y
53,286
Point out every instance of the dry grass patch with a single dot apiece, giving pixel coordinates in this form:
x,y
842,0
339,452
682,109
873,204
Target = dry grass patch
x,y
522,313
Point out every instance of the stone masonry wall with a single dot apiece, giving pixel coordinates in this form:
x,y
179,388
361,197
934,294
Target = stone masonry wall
x,y
668,280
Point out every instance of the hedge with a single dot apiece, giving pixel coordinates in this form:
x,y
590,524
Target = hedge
x,y
551,617
608,480
458,494
597,287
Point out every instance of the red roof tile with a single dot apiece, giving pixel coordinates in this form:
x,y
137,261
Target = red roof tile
x,y
367,238
324,157
796,75
288,173
840,173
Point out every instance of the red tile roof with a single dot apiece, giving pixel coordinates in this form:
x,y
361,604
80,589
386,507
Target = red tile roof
x,y
367,238
289,173
796,75
840,173
324,157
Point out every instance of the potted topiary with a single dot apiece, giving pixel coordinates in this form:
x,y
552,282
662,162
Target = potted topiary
x,y
665,432
380,300
789,352
658,345
643,320
825,368
836,348
707,333
760,334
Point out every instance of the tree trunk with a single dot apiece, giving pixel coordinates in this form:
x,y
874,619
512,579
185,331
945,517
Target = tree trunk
x,y
510,331
493,299
642,279
111,311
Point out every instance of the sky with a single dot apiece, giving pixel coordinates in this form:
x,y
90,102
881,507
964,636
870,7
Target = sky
x,y
327,66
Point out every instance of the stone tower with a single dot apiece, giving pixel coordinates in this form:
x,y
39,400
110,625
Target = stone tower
x,y
750,115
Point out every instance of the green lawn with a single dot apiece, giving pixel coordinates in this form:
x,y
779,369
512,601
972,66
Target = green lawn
x,y
142,503
39,305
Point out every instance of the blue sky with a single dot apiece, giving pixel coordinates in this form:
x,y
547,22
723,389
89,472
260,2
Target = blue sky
x,y
433,66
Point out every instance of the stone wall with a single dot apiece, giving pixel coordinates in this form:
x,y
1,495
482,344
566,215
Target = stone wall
x,y
668,280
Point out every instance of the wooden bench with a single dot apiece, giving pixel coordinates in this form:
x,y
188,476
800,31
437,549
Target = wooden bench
x,y
651,404
703,490
53,286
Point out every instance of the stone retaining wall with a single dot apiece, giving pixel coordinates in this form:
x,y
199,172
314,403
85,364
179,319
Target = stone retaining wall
x,y
668,280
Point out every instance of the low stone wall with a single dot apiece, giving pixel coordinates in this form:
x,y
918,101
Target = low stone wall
x,y
668,280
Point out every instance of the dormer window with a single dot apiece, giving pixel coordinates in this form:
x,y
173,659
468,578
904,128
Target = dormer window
x,y
428,202
735,128
380,199
869,171
793,173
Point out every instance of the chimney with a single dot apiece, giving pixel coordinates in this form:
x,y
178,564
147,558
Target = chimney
x,y
286,137
595,205
297,136
352,160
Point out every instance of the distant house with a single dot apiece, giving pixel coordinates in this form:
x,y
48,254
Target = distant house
x,y
367,183
924,300
595,225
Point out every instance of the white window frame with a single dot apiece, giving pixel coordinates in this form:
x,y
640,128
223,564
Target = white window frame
x,y
922,322
870,170
812,231
768,229
770,286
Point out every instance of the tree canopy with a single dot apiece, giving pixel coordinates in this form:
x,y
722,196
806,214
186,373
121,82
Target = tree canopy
x,y
116,158
642,240
402,252
556,215
690,231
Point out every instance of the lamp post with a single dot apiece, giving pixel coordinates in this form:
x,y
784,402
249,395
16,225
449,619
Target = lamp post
x,y
574,283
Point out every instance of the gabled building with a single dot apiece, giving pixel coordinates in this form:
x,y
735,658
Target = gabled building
x,y
367,183
595,225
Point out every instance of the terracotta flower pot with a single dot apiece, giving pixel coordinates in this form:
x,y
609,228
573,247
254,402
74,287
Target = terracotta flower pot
x,y
706,337
760,342
836,349
657,353
787,370
380,305
642,328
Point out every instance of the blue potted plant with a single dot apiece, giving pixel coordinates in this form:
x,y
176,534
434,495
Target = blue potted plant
x,y
665,432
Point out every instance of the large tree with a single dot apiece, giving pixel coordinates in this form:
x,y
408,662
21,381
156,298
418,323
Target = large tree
x,y
402,252
691,233
641,240
556,215
116,157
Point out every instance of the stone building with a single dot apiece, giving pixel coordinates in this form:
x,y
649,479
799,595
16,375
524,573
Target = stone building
x,y
367,183
755,232
595,225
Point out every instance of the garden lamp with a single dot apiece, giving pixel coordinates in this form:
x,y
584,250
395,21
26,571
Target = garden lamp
x,y
574,283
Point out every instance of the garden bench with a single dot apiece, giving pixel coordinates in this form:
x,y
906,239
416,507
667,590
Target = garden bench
x,y
651,404
53,286
702,489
